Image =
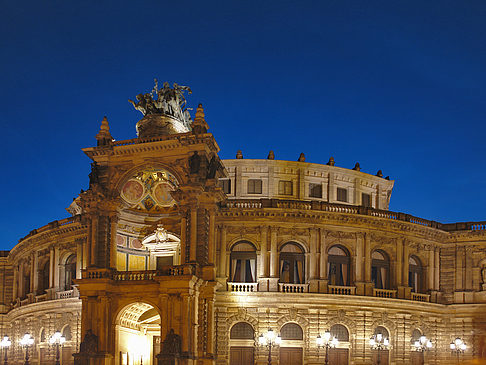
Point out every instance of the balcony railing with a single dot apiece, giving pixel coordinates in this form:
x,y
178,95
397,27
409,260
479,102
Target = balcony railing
x,y
65,294
243,287
293,288
342,290
384,293
352,209
421,297
139,275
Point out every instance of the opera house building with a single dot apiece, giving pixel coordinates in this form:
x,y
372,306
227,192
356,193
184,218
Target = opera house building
x,y
174,256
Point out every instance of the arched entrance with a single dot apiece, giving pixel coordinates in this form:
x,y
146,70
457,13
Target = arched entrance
x,y
137,335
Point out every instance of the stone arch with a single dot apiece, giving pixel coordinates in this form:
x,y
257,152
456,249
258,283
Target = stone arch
x,y
350,248
388,325
299,242
241,239
243,324
241,316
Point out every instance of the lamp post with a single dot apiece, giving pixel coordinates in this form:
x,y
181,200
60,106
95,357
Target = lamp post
x,y
57,339
379,343
269,340
26,342
327,342
458,347
5,344
421,345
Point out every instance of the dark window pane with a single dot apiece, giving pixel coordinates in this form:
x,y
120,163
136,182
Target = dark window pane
x,y
291,331
342,194
254,186
366,200
315,190
225,185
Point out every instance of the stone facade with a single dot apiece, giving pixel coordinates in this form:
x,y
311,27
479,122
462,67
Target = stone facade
x,y
173,256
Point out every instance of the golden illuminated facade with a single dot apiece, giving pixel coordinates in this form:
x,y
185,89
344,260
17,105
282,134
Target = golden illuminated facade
x,y
173,256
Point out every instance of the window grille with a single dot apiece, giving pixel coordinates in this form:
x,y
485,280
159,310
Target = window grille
x,y
291,331
340,332
242,331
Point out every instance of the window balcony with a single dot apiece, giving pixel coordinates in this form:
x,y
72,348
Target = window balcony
x,y
384,293
342,290
243,287
293,288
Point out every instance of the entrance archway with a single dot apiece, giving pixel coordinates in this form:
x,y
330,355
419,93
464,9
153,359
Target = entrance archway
x,y
137,335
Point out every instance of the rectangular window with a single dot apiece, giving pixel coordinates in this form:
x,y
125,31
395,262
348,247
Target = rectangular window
x,y
366,200
285,187
225,185
315,190
254,186
342,195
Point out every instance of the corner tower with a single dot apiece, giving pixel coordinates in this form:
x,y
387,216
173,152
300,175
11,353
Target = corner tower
x,y
148,260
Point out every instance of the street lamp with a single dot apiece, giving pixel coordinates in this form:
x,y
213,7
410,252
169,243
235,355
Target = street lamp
x,y
458,346
57,339
379,343
26,342
269,339
5,344
421,345
327,342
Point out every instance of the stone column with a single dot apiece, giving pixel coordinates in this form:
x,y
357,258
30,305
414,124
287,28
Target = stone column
x,y
21,280
262,260
79,259
51,268
360,258
222,253
274,276
56,268
431,270
367,256
323,271
15,291
402,286
193,240
112,244
406,256
212,238
437,269
92,241
313,262
35,272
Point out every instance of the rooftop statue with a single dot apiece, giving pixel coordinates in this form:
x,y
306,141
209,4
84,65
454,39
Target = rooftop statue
x,y
167,101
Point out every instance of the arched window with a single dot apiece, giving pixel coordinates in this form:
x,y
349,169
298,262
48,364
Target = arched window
x,y
43,335
415,335
291,331
242,331
338,266
415,274
243,263
340,332
43,283
292,264
380,270
383,331
69,272
66,332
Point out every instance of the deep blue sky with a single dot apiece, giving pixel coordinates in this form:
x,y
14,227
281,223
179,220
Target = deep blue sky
x,y
396,85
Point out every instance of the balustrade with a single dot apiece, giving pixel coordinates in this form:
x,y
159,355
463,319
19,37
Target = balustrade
x,y
243,287
384,293
342,290
293,288
421,297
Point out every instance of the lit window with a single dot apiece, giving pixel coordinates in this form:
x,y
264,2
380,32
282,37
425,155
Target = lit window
x,y
315,190
380,270
243,263
292,264
285,187
342,195
254,186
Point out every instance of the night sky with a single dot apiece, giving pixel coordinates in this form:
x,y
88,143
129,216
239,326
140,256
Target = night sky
x,y
395,85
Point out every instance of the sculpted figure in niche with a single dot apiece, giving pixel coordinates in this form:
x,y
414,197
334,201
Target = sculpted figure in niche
x,y
172,344
483,274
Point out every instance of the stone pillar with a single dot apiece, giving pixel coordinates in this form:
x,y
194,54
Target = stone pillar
x,y
360,258
193,235
92,241
51,268
437,269
431,270
56,268
222,255
185,324
402,286
212,238
323,262
79,259
262,260
406,256
274,275
35,272
313,262
15,291
112,244
367,255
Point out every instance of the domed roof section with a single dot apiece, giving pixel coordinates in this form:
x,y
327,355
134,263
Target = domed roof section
x,y
164,111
